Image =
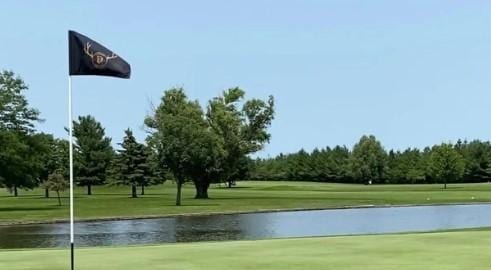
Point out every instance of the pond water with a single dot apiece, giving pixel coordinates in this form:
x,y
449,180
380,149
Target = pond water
x,y
250,226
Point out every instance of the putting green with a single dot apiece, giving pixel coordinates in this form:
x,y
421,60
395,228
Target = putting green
x,y
435,251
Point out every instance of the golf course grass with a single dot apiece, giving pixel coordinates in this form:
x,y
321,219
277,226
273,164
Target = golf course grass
x,y
115,202
435,251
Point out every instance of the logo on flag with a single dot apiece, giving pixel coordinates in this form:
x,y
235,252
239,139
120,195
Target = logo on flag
x,y
99,59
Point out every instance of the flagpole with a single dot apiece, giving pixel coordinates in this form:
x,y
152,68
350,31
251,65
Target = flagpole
x,y
70,131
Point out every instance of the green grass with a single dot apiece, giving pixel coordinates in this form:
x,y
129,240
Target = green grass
x,y
435,251
113,202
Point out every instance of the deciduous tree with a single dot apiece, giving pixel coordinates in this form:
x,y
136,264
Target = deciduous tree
x,y
446,164
368,160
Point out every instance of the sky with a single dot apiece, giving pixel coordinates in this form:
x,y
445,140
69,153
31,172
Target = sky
x,y
412,73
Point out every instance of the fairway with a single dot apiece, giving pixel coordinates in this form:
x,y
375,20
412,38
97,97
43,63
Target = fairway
x,y
248,196
436,251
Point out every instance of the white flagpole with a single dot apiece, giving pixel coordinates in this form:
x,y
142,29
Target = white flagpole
x,y
70,130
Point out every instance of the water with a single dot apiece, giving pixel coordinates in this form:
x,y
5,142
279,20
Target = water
x,y
250,226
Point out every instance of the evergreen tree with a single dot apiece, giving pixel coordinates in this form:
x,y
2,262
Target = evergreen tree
x,y
133,164
93,152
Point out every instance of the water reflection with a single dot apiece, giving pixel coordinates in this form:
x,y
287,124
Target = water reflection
x,y
250,226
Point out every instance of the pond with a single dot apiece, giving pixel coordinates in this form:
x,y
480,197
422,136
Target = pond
x,y
250,226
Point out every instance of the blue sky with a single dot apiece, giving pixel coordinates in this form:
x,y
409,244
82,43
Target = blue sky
x,y
413,73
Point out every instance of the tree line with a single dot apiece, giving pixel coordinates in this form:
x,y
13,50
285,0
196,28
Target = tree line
x,y
368,162
185,143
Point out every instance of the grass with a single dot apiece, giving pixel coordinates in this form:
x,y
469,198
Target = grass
x,y
114,202
436,251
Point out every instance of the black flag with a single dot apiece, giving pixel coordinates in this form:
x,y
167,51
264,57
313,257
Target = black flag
x,y
88,57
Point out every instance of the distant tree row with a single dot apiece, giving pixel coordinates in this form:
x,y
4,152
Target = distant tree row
x,y
185,143
369,162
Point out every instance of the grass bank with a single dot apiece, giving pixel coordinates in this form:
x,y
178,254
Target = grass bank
x,y
115,202
436,251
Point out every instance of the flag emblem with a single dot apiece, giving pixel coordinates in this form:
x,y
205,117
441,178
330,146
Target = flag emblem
x,y
99,59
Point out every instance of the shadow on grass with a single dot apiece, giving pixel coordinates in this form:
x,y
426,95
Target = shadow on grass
x,y
450,187
13,209
227,188
22,196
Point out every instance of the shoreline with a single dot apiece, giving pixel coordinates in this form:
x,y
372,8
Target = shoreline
x,y
260,211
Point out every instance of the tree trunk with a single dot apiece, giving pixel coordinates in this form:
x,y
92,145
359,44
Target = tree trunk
x,y
59,199
445,185
229,184
178,196
143,190
46,193
201,190
15,191
133,191
89,189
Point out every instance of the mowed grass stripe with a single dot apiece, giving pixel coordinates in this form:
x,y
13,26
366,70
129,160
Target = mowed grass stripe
x,y
436,251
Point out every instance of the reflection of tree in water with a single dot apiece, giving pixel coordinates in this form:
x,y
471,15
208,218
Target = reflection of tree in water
x,y
208,228
29,236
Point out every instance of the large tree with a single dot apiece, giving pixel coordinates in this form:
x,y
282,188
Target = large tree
x,y
15,112
20,149
93,152
19,161
242,124
184,142
368,160
446,164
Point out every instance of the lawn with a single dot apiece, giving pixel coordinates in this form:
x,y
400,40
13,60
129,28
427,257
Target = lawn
x,y
113,202
436,251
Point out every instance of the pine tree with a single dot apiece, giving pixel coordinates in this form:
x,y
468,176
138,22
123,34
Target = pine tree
x,y
132,164
93,152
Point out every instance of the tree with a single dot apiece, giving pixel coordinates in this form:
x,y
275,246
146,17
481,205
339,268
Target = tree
x,y
93,152
159,172
476,155
405,167
242,125
19,148
300,166
184,142
15,113
57,183
446,164
132,164
54,158
368,160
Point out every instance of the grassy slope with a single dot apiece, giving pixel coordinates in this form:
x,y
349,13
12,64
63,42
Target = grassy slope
x,y
248,196
436,251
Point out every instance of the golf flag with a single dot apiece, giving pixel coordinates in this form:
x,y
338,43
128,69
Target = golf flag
x,y
87,57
